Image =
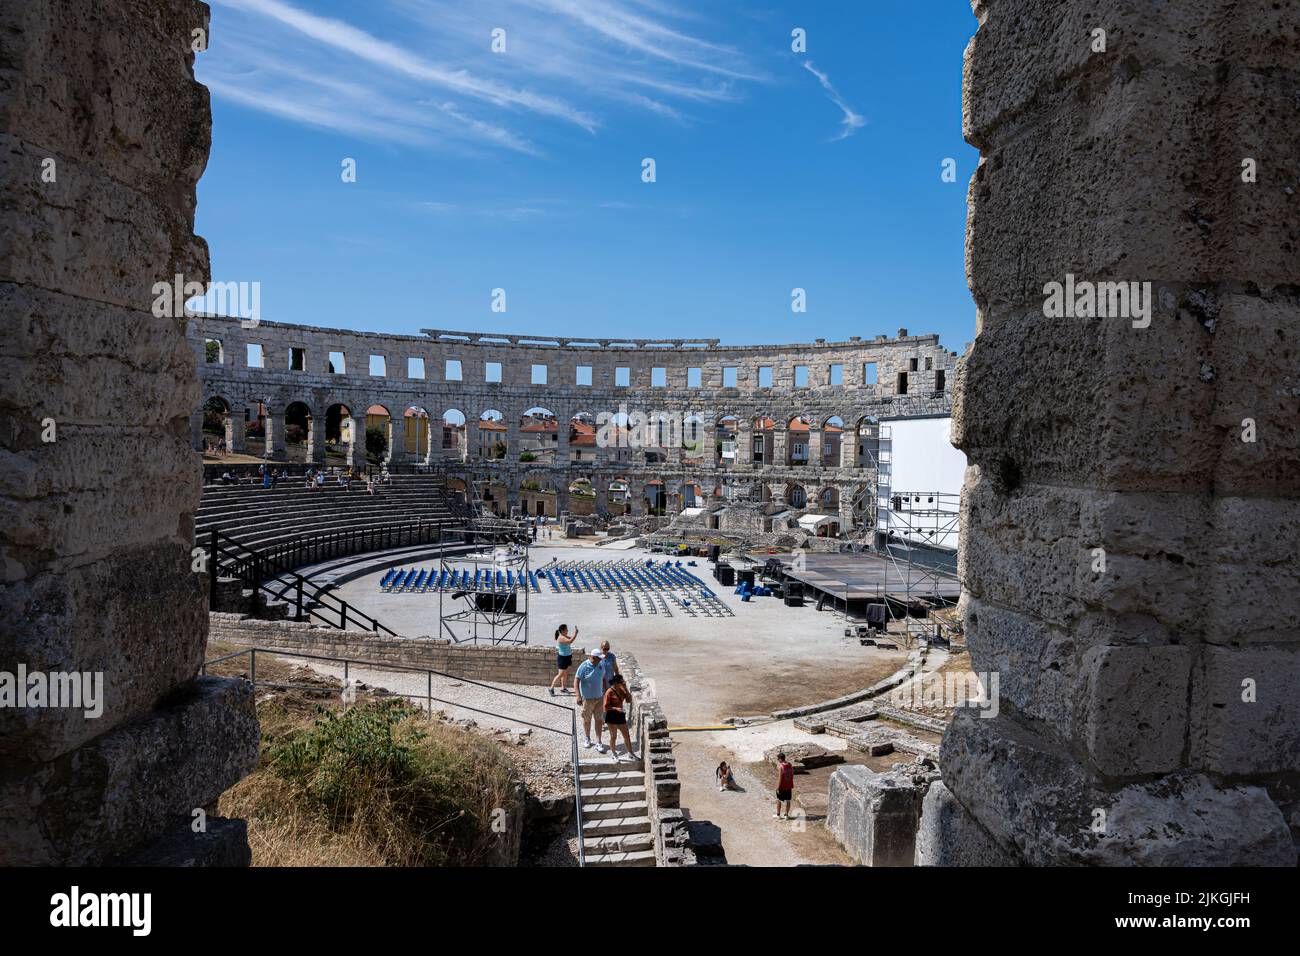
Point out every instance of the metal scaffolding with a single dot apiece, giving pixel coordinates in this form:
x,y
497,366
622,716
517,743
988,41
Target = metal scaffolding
x,y
492,611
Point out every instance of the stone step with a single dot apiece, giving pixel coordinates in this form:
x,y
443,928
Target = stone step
x,y
597,763
614,826
625,808
613,778
612,794
630,858
627,842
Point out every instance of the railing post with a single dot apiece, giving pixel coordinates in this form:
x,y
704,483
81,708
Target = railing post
x,y
429,675
212,572
299,597
345,684
252,669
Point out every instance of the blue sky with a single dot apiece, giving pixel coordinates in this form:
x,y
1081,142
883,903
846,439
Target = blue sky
x,y
521,170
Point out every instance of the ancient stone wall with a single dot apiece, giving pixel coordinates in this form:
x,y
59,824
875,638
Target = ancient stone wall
x,y
1131,511
504,664
105,133
927,367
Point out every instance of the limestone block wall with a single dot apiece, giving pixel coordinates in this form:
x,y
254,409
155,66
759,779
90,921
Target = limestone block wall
x,y
481,662
104,134
1132,502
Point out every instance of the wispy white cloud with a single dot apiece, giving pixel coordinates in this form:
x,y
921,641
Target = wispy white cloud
x,y
851,122
422,72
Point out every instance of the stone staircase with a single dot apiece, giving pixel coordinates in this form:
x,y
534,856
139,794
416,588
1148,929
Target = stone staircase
x,y
616,828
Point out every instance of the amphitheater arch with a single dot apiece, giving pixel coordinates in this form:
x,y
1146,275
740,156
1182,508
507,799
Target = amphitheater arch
x,y
379,434
727,440
538,495
582,496
452,441
866,441
583,433
654,497
298,431
796,496
619,495
539,435
416,438
695,443
832,442
493,443
798,441
342,433
762,440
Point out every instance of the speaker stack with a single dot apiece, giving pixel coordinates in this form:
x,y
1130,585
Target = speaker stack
x,y
793,594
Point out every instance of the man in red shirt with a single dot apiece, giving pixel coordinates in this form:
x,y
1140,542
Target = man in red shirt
x,y
784,786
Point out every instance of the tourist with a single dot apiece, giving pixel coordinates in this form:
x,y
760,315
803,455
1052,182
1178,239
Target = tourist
x,y
784,786
266,476
320,480
726,779
563,657
617,697
610,663
227,478
275,478
589,680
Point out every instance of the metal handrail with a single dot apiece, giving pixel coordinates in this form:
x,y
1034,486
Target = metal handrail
x,y
251,566
429,672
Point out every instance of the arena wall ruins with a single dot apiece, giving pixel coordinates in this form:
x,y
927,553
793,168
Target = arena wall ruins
x,y
105,135
688,379
1132,503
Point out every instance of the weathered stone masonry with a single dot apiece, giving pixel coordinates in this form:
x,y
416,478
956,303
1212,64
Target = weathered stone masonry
x,y
1128,732
97,530
927,367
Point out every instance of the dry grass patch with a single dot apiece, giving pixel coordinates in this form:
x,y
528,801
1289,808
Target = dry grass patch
x,y
377,784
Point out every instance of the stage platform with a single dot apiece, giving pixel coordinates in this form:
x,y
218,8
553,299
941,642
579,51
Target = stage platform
x,y
865,577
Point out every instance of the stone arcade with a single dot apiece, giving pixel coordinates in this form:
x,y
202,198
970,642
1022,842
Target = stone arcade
x,y
800,418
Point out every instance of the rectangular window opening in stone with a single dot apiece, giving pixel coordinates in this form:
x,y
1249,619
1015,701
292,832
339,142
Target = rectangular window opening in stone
x,y
254,354
212,354
378,366
902,383
622,376
730,374
297,359
765,376
929,363
939,380
801,376
911,365
694,377
539,375
337,365
492,373
452,370
868,373
659,378
583,376
836,375
414,367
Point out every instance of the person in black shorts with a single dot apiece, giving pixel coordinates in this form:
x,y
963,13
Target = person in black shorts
x,y
563,658
616,700
784,786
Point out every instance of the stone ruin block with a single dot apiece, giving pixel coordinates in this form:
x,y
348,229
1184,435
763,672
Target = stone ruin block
x,y
803,756
874,816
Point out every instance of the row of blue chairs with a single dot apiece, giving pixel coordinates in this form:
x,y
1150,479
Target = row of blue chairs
x,y
622,577
482,579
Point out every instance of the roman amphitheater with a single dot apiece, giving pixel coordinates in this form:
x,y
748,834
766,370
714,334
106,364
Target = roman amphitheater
x,y
512,417
361,522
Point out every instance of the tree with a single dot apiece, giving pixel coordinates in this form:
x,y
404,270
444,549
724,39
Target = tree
x,y
376,443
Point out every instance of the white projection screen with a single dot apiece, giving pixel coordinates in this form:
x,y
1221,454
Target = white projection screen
x,y
925,463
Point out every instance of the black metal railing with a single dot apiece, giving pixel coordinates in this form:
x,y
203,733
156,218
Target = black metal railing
x,y
266,573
